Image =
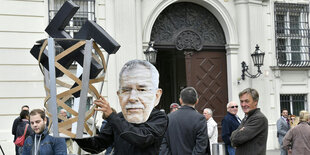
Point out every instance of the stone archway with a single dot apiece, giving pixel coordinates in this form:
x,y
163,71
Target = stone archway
x,y
191,45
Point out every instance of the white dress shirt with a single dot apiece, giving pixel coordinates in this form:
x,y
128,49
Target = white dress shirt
x,y
212,132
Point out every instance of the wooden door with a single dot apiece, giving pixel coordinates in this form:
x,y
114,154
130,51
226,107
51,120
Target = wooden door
x,y
207,72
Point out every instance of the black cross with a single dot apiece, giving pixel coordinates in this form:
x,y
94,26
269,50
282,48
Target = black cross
x,y
89,30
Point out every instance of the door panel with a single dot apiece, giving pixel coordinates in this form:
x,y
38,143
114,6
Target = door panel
x,y
207,73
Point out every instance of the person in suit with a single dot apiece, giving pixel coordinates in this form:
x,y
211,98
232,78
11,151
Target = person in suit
x,y
187,131
229,124
283,125
251,135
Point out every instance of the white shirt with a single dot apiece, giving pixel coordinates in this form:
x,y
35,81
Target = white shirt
x,y
212,131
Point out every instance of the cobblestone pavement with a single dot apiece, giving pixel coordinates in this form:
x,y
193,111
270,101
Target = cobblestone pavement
x,y
273,152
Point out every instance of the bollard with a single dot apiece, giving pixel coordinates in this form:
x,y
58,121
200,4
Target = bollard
x,y
218,149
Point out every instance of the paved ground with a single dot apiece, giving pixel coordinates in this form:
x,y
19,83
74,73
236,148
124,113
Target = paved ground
x,y
273,152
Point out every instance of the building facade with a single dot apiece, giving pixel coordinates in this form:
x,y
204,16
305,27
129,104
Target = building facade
x,y
200,43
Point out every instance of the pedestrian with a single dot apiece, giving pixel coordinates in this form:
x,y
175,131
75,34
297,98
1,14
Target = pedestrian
x,y
63,115
283,125
251,135
212,127
14,126
21,127
139,128
174,107
229,124
41,142
297,139
187,131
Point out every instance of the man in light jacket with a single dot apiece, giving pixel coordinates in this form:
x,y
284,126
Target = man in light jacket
x,y
212,126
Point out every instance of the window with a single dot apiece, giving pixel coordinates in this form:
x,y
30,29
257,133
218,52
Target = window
x,y
292,34
293,103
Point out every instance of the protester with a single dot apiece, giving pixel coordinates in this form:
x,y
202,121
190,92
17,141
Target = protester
x,y
139,128
251,135
41,142
21,127
212,127
14,126
283,125
297,139
229,124
187,131
109,150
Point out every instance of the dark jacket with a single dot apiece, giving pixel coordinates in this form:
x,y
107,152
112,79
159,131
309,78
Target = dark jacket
x,y
229,124
48,145
129,138
14,127
251,135
21,129
187,133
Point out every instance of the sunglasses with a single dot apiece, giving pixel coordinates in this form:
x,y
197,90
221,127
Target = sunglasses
x,y
234,106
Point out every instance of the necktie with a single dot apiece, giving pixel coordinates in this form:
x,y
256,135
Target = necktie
x,y
288,122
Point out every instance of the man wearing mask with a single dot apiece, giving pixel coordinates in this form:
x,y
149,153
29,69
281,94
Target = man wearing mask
x,y
139,128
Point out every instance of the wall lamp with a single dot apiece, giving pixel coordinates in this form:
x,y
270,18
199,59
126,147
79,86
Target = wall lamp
x,y
258,60
151,53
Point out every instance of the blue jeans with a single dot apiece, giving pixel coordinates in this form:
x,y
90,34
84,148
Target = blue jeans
x,y
230,150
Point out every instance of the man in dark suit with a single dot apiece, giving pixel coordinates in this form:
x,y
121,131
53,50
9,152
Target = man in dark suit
x,y
251,136
283,125
229,124
187,129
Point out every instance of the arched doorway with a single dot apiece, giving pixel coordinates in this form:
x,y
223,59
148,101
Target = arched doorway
x,y
191,52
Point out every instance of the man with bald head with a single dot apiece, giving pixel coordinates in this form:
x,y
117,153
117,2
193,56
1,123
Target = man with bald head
x,y
229,124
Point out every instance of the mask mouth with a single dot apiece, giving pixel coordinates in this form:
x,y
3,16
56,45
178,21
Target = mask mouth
x,y
134,106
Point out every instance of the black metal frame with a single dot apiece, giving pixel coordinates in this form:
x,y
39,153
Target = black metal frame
x,y
292,35
1,150
54,6
245,71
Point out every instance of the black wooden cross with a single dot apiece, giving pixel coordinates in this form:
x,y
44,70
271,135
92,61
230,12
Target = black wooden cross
x,y
89,30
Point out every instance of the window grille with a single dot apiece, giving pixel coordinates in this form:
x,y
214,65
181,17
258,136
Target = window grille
x,y
292,34
294,103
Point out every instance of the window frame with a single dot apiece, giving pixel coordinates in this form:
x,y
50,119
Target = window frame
x,y
293,99
286,55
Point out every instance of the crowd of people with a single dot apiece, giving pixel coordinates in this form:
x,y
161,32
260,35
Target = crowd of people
x,y
294,137
142,129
